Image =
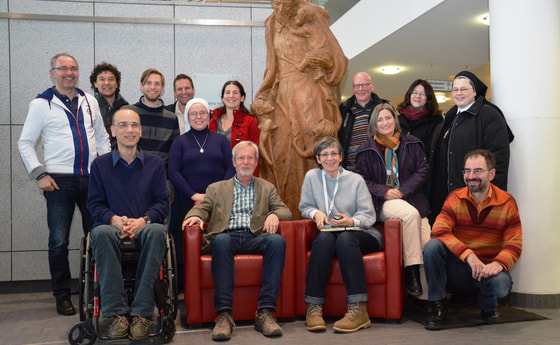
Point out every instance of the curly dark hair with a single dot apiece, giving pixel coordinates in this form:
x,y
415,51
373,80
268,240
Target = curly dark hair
x,y
241,91
100,68
431,102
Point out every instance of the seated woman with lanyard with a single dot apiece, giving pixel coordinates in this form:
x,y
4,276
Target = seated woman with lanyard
x,y
337,198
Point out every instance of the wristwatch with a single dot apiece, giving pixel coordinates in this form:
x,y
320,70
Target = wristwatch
x,y
147,219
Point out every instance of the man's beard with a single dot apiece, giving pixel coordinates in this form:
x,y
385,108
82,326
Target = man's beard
x,y
152,100
477,188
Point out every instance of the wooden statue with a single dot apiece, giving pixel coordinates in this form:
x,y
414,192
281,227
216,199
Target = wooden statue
x,y
297,103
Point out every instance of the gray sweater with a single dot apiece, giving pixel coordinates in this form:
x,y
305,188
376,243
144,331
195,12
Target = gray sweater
x,y
352,199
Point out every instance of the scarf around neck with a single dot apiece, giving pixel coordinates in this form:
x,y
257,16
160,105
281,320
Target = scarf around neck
x,y
390,146
413,114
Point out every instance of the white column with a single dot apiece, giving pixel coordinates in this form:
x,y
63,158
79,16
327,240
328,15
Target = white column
x,y
525,66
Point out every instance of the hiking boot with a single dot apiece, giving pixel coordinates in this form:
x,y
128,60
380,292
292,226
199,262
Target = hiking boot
x,y
356,318
438,319
266,323
314,318
491,316
412,277
64,306
222,329
140,328
119,327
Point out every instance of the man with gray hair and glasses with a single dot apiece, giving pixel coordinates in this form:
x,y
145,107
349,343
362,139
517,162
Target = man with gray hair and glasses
x,y
73,134
356,112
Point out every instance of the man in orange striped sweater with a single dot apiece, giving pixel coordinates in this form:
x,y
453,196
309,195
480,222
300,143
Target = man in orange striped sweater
x,y
476,239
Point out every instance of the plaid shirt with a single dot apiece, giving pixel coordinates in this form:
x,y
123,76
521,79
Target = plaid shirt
x,y
243,204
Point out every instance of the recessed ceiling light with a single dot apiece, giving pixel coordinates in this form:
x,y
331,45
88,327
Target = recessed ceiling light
x,y
391,69
484,19
441,98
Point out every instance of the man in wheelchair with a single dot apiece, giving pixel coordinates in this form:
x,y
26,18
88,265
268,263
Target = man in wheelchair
x,y
128,199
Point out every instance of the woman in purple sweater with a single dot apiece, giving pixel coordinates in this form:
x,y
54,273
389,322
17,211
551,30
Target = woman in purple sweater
x,y
197,158
395,168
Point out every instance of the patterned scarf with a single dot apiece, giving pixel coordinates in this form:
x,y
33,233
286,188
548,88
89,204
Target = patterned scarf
x,y
390,146
413,114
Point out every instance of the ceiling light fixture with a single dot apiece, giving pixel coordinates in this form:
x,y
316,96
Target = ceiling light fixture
x,y
391,69
441,98
484,19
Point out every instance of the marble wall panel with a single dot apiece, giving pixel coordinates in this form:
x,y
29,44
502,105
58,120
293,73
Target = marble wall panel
x,y
208,11
4,69
260,13
138,47
5,190
5,266
206,50
52,7
3,5
29,211
32,45
134,10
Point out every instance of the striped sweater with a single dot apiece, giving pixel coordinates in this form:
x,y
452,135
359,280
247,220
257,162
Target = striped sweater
x,y
493,233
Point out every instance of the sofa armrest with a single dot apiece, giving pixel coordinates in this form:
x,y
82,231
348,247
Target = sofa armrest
x,y
193,299
393,253
305,232
287,307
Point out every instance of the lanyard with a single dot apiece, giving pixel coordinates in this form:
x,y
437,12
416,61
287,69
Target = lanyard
x,y
330,204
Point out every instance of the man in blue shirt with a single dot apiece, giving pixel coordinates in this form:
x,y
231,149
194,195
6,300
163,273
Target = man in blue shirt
x,y
128,199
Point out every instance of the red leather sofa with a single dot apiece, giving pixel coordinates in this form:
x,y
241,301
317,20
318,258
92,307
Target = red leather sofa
x,y
199,284
384,274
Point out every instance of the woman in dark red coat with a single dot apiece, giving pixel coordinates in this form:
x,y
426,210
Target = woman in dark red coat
x,y
233,119
395,168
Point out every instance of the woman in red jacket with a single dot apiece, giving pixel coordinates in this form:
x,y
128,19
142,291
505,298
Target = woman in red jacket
x,y
233,119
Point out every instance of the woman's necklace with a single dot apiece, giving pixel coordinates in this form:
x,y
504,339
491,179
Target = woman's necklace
x,y
204,143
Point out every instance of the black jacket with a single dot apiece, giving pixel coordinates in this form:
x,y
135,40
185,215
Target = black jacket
x,y
345,132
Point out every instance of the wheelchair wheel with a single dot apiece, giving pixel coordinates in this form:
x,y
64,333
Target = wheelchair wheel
x,y
82,334
83,248
85,293
168,329
173,291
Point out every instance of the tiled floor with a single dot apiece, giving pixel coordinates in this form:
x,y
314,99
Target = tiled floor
x,y
30,318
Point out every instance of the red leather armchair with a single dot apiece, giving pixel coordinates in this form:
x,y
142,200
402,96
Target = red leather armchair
x,y
199,283
384,274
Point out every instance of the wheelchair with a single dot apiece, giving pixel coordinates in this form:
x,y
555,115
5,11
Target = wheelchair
x,y
165,289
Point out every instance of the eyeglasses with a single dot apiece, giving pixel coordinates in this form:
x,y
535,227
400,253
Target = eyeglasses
x,y
361,86
201,113
416,93
461,90
332,154
126,124
476,172
65,69
248,158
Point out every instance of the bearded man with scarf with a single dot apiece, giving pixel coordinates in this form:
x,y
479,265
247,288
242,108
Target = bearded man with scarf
x,y
395,169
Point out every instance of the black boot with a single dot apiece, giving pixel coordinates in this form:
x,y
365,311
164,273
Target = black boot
x,y
412,276
438,317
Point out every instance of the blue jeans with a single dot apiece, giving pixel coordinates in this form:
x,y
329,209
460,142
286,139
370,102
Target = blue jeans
x,y
349,247
227,244
105,243
443,267
72,191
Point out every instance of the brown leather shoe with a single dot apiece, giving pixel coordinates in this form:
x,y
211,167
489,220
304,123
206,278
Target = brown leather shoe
x,y
314,318
64,306
356,318
140,328
223,327
266,323
119,327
